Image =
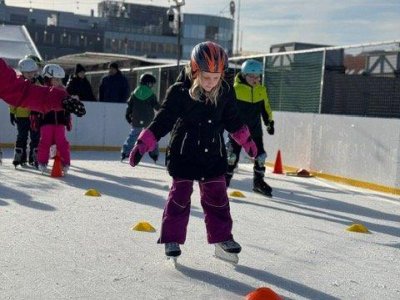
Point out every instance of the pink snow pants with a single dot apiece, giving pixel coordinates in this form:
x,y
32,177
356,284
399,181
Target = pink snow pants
x,y
49,135
214,201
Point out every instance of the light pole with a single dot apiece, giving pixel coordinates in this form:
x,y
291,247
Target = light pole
x,y
174,19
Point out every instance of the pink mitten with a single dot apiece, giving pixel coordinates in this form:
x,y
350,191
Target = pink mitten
x,y
242,137
146,142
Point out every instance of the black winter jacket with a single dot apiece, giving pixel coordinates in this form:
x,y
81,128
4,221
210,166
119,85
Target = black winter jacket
x,y
54,118
196,150
141,106
114,88
80,87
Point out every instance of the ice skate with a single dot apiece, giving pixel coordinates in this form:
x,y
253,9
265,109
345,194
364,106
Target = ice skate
x,y
19,158
33,159
228,251
65,170
172,251
123,156
261,187
42,168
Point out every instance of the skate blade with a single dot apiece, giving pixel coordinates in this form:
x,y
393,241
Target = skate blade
x,y
173,260
231,258
261,193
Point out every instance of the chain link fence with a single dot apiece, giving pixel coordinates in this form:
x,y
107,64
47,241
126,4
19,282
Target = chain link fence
x,y
358,80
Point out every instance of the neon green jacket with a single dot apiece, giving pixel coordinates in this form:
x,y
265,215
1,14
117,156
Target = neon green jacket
x,y
252,103
20,112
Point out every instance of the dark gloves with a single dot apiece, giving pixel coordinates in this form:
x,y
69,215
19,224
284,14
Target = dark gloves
x,y
270,128
74,105
12,119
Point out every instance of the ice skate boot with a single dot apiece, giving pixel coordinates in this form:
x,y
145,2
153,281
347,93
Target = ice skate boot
x,y
19,157
42,168
65,170
228,251
33,158
123,156
172,251
261,187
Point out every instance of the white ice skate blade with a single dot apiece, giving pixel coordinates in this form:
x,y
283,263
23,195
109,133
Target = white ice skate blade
x,y
173,260
232,258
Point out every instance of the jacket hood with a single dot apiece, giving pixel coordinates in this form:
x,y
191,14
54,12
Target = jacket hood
x,y
143,92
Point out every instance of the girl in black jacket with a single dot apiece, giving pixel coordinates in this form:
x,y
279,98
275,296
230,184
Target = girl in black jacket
x,y
197,110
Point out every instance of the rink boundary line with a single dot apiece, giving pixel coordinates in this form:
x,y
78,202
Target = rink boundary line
x,y
349,181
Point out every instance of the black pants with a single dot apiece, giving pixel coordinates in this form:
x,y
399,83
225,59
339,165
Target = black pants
x,y
235,148
25,131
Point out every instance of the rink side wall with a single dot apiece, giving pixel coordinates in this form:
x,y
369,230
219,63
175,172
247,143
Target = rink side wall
x,y
355,150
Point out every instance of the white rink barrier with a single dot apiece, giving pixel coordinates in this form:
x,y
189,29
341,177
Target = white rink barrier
x,y
360,148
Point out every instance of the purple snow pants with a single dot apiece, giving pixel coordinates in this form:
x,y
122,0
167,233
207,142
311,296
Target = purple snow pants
x,y
214,201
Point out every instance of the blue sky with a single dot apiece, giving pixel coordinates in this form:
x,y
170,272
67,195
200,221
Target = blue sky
x,y
267,22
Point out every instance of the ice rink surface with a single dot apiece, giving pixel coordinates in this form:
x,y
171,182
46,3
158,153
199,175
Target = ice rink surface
x,y
57,243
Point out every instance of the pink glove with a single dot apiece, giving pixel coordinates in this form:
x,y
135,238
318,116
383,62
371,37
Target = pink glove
x,y
243,138
146,142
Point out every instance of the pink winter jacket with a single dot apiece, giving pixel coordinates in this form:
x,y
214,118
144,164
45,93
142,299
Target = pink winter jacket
x,y
19,92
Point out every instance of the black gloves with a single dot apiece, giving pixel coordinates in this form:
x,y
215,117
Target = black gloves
x,y
270,128
74,105
12,119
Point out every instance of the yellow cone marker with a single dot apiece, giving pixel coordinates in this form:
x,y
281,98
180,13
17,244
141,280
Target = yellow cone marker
x,y
93,193
144,226
237,194
358,228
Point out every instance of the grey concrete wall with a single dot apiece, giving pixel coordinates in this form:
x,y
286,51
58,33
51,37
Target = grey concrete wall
x,y
364,149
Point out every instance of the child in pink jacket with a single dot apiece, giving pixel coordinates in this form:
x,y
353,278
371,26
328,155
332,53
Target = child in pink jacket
x,y
53,124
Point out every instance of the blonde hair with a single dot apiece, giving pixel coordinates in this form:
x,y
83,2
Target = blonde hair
x,y
196,91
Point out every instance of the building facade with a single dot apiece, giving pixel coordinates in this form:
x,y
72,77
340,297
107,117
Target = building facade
x,y
120,27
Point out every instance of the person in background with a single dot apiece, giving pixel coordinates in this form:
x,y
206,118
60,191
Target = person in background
x,y
140,112
114,87
52,124
80,86
17,91
253,104
40,64
196,112
20,116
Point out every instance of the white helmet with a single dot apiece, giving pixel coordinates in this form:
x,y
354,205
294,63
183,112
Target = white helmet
x,y
27,65
53,71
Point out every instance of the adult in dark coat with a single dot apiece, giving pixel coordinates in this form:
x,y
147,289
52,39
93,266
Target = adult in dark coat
x,y
80,86
114,87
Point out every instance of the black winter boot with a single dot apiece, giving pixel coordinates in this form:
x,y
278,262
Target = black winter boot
x,y
261,187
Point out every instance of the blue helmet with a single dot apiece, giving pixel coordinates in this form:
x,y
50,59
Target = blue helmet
x,y
252,66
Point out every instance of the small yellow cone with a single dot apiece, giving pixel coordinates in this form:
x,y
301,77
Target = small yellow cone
x,y
358,228
237,194
93,193
144,226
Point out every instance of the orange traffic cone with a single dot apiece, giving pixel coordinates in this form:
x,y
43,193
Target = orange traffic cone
x,y
56,171
263,293
278,169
